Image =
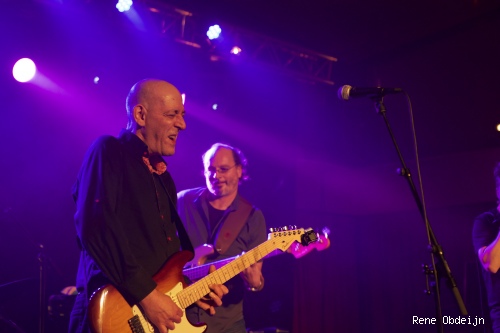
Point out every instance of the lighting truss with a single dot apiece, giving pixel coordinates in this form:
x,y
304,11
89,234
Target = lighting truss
x,y
299,62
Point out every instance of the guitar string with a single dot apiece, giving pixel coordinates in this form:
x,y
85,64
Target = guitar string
x,y
200,288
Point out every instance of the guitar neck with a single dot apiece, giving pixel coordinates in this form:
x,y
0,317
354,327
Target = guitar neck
x,y
228,270
196,273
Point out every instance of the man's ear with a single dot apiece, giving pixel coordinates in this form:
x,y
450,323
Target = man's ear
x,y
139,113
239,171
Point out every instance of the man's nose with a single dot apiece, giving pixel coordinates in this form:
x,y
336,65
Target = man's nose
x,y
180,123
216,174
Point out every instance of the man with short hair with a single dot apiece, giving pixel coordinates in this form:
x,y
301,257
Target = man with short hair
x,y
126,219
218,215
486,239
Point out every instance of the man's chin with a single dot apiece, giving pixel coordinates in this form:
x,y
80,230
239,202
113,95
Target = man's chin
x,y
168,152
216,192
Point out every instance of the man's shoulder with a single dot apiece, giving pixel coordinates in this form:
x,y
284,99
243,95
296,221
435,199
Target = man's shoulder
x,y
190,194
103,145
490,216
241,200
105,141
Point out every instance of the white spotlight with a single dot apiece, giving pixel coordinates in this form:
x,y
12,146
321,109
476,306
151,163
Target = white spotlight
x,y
124,5
24,70
214,32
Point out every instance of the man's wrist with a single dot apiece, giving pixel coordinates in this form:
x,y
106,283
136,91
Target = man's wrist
x,y
259,287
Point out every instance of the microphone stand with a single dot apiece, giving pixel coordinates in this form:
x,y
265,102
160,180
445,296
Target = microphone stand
x,y
42,267
42,288
436,250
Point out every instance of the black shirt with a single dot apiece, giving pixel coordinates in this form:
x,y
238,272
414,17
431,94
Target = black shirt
x,y
485,230
125,218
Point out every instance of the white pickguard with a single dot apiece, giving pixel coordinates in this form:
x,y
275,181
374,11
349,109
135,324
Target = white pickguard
x,y
183,327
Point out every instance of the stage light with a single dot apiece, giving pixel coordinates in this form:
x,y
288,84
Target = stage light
x,y
183,98
235,50
124,5
24,70
214,32
498,128
215,106
96,80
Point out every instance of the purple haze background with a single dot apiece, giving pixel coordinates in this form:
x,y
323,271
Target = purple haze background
x,y
314,161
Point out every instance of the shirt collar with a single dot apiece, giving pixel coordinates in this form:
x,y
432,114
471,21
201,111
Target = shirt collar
x,y
140,148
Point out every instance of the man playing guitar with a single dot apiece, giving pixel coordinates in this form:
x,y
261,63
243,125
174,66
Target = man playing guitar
x,y
218,215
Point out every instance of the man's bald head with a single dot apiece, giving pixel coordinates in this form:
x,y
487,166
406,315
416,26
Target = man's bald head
x,y
156,115
148,92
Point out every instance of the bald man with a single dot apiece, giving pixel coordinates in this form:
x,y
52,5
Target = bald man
x,y
126,220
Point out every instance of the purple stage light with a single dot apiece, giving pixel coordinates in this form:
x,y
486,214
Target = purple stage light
x,y
124,5
235,50
214,32
24,70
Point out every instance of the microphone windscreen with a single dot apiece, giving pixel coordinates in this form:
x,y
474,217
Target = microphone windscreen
x,y
344,91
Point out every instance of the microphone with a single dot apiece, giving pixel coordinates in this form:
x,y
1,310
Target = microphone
x,y
345,92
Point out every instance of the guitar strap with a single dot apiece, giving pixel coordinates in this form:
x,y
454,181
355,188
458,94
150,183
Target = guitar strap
x,y
233,223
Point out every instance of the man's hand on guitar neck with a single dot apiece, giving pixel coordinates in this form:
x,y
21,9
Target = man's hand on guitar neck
x,y
161,311
253,277
213,298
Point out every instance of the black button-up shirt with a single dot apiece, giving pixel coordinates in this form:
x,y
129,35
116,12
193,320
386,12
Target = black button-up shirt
x,y
125,218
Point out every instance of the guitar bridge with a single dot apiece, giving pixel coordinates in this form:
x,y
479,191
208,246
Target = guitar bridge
x,y
135,324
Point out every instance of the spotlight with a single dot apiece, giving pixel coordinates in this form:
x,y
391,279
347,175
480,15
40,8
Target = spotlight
x,y
96,80
183,98
214,32
498,127
215,106
235,50
124,5
24,70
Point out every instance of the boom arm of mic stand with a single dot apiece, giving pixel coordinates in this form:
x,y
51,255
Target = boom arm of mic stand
x,y
436,248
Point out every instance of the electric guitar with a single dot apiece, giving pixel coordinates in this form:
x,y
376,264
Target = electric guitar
x,y
109,312
196,268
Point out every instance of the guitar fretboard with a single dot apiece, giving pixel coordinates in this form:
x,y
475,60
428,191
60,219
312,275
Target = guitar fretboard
x,y
200,288
195,273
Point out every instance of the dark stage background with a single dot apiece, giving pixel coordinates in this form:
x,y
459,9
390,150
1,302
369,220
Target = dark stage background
x,y
315,161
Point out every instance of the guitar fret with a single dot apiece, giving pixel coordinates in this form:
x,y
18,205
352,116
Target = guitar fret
x,y
201,287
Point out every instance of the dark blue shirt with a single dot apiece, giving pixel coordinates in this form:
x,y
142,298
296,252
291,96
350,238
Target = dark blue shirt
x,y
193,208
485,230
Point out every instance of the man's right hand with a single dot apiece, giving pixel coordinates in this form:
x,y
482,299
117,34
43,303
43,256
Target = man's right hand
x,y
161,311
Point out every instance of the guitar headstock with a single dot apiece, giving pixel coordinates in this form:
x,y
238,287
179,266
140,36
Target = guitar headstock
x,y
298,250
285,236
